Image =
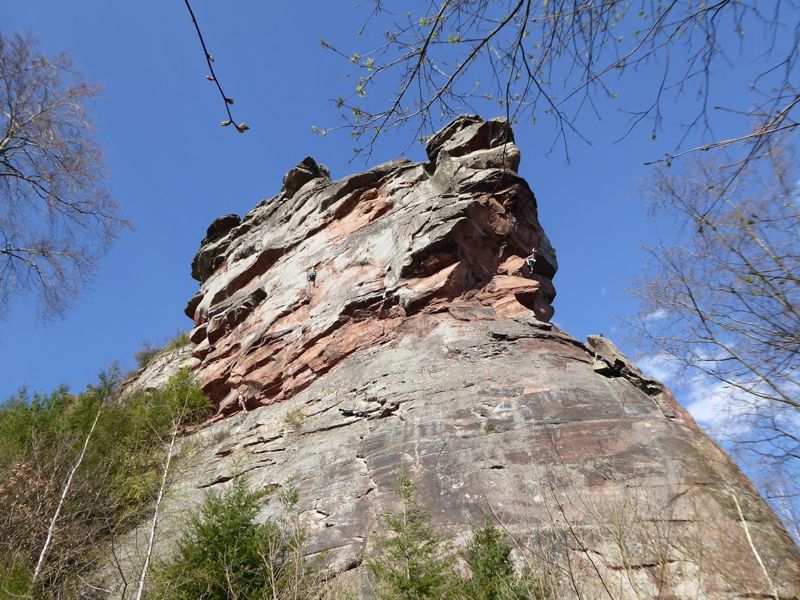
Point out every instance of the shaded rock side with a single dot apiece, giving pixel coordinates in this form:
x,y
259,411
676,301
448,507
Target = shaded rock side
x,y
423,346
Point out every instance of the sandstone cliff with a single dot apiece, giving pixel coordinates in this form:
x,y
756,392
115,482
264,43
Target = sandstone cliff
x,y
388,321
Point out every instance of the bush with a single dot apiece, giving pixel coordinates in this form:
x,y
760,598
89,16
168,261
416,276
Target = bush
x,y
148,352
40,439
180,340
145,355
226,554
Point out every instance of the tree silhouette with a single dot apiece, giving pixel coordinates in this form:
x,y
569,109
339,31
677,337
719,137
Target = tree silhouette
x,y
56,217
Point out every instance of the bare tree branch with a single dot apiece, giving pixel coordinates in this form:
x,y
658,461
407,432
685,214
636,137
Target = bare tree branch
x,y
724,297
559,59
56,217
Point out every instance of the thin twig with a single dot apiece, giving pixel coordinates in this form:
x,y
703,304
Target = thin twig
x,y
226,100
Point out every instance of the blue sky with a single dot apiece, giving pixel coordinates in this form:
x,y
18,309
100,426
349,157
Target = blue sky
x,y
173,169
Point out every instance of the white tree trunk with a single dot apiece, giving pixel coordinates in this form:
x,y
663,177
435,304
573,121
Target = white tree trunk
x,y
146,565
753,546
64,492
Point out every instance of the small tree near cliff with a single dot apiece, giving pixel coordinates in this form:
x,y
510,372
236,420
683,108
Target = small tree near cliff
x,y
411,563
56,217
227,554
492,575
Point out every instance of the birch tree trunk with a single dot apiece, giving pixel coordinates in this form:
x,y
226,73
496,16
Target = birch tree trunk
x,y
65,491
146,565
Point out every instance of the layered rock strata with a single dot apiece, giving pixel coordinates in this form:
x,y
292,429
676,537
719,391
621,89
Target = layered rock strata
x,y
398,321
385,247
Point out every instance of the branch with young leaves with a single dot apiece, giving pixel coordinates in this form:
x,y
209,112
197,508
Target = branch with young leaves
x,y
562,58
212,76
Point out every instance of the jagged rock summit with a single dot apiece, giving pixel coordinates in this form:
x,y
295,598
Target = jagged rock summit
x,y
387,247
397,321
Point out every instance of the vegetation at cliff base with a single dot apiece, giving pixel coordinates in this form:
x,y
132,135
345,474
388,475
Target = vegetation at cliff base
x,y
41,438
412,560
227,554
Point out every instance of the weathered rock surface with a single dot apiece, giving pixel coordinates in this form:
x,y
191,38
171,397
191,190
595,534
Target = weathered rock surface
x,y
387,245
423,345
158,371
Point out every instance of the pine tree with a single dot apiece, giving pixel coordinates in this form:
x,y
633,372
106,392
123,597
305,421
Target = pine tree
x,y
411,564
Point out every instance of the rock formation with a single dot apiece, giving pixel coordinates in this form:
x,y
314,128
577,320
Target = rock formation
x,y
389,322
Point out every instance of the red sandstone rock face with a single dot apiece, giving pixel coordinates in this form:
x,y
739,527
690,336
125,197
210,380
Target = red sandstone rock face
x,y
423,346
400,240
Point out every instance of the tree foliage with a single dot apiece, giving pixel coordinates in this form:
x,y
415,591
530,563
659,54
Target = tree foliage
x,y
220,557
40,438
56,216
226,553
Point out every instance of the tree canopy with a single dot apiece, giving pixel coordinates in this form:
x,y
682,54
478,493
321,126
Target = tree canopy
x,y
560,61
56,215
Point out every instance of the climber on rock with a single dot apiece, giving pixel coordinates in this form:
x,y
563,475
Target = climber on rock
x,y
531,260
240,400
312,277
